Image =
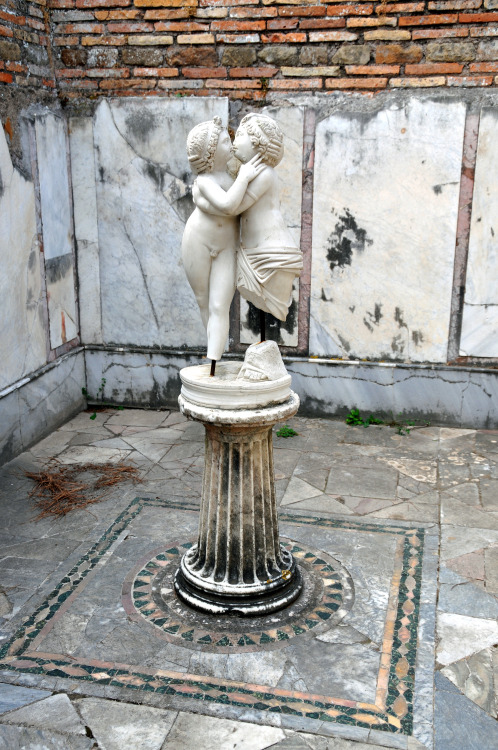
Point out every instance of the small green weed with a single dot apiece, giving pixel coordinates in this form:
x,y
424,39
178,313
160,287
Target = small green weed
x,y
286,432
402,426
354,418
100,395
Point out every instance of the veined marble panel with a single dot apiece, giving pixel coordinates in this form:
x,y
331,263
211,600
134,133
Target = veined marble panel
x,y
289,171
22,328
386,194
143,200
85,228
57,229
480,313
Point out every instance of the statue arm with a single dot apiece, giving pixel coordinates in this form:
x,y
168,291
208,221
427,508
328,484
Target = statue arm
x,y
228,201
257,189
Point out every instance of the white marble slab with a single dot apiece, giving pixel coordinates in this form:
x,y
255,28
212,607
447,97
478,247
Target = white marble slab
x,y
22,330
384,227
143,199
85,228
289,171
51,148
480,315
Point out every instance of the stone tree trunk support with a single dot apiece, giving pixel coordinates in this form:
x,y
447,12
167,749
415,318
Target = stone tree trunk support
x,y
238,565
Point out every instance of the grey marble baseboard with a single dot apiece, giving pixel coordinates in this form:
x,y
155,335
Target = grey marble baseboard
x,y
446,395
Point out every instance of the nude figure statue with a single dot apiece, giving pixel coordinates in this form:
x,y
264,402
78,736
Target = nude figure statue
x,y
210,240
268,260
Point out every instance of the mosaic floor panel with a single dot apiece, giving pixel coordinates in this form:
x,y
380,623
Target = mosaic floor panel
x,y
346,654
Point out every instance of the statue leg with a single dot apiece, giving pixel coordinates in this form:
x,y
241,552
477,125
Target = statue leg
x,y
221,291
197,264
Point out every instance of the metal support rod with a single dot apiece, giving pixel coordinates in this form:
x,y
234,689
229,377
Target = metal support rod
x,y
213,368
262,325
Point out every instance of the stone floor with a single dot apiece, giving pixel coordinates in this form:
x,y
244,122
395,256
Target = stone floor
x,y
400,650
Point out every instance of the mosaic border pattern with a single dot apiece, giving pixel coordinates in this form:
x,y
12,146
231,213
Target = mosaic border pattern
x,y
393,708
140,604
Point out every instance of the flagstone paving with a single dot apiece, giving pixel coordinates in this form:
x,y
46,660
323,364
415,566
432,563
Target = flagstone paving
x,y
398,538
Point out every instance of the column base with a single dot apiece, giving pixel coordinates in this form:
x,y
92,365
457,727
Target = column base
x,y
252,602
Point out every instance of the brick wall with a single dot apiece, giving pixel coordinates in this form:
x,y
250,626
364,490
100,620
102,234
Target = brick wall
x,y
247,48
25,51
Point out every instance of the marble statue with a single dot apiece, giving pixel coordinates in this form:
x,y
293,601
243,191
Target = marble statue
x,y
210,240
268,260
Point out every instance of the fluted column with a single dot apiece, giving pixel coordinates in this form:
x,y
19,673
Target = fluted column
x,y
238,565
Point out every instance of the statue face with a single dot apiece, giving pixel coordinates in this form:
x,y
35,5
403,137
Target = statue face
x,y
224,151
242,146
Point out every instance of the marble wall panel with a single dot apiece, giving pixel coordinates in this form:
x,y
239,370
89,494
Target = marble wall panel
x,y
386,193
22,328
480,315
143,197
42,404
57,231
289,173
85,228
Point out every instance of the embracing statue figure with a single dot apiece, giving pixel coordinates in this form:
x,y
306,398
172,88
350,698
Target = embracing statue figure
x,y
257,254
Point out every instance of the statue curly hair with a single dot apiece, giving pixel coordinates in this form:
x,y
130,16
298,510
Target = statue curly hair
x,y
201,145
266,136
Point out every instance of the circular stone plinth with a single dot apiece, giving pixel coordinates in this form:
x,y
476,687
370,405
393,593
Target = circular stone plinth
x,y
225,391
148,597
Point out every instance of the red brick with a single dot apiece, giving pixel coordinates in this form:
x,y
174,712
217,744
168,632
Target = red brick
x,y
70,73
238,38
429,69
258,12
19,20
101,3
487,67
33,23
61,4
283,38
116,15
16,67
164,15
108,73
80,28
6,77
366,22
296,84
439,33
417,83
157,72
204,72
356,83
477,17
113,41
224,3
372,70
66,41
484,31
428,20
470,80
132,83
246,84
238,25
128,27
455,5
406,7
6,32
323,23
311,10
253,72
78,83
283,23
184,27
363,9
332,36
